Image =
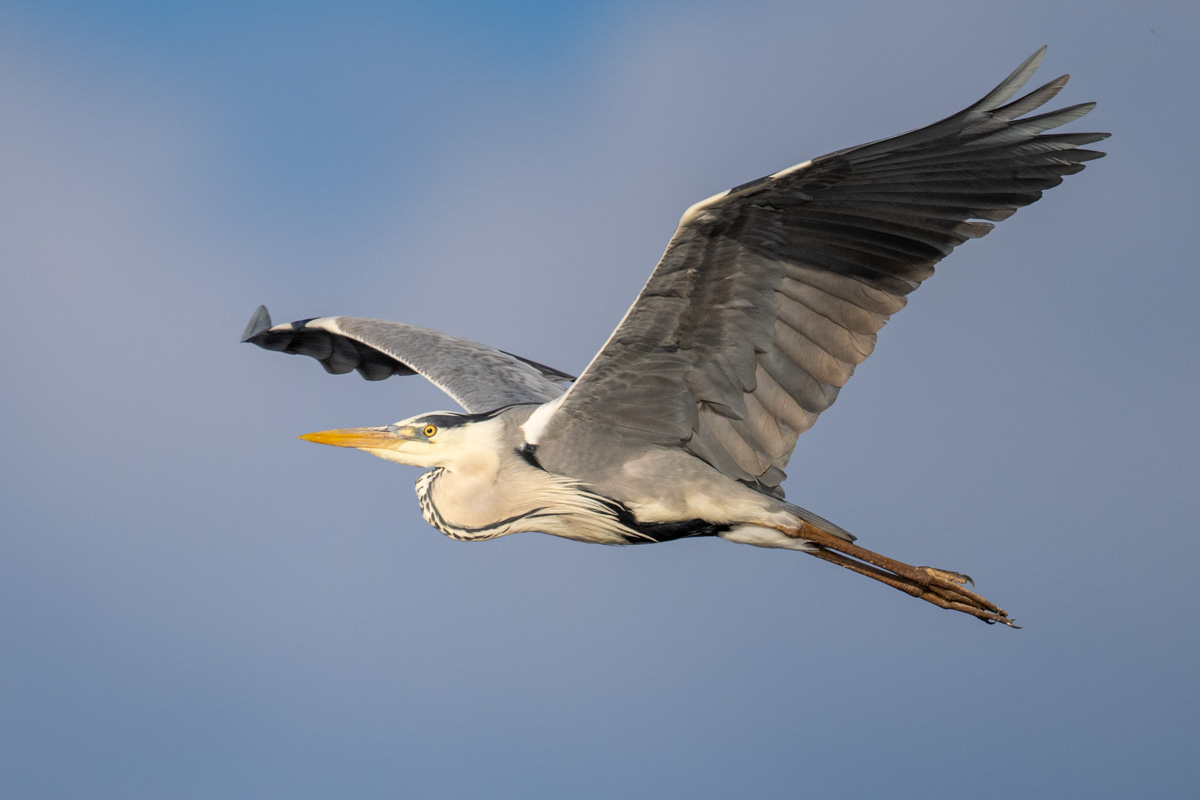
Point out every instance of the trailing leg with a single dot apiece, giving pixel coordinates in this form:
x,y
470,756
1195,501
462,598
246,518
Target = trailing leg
x,y
940,587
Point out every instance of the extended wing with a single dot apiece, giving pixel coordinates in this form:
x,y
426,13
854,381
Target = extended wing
x,y
770,294
478,377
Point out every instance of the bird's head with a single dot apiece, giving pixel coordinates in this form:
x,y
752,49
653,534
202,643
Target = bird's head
x,y
441,439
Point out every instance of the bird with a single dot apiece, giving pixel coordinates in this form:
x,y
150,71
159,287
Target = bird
x,y
767,297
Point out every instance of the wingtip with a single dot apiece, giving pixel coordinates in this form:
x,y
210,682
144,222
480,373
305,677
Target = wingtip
x,y
1035,60
259,322
1031,64
1013,83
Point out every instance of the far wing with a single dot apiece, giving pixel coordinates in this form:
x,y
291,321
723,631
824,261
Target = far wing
x,y
770,294
478,377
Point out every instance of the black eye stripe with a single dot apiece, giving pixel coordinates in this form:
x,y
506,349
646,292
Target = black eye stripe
x,y
450,420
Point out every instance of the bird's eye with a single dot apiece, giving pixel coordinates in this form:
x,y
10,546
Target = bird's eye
x,y
430,430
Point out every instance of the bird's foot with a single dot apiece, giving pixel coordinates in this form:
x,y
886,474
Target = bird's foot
x,y
948,590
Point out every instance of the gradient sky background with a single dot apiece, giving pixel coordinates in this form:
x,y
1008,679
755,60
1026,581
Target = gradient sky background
x,y
195,604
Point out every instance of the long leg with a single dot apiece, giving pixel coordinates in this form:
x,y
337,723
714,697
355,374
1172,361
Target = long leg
x,y
943,589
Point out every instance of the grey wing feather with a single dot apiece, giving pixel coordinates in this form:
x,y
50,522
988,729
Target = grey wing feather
x,y
769,295
478,377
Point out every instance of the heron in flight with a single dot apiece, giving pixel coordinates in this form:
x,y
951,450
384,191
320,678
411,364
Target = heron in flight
x,y
766,299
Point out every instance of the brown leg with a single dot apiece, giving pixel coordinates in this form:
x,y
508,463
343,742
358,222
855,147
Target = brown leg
x,y
943,589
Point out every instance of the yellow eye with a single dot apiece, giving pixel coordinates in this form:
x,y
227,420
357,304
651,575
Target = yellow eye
x,y
430,430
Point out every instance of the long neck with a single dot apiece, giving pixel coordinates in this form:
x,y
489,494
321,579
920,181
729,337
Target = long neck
x,y
478,487
522,498
470,498
474,505
488,490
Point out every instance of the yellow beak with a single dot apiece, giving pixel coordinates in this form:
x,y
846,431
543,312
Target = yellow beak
x,y
371,438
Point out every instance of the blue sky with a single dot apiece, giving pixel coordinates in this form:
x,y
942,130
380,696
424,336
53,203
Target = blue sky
x,y
194,604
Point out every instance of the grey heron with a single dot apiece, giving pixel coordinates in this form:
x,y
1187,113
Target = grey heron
x,y
766,299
